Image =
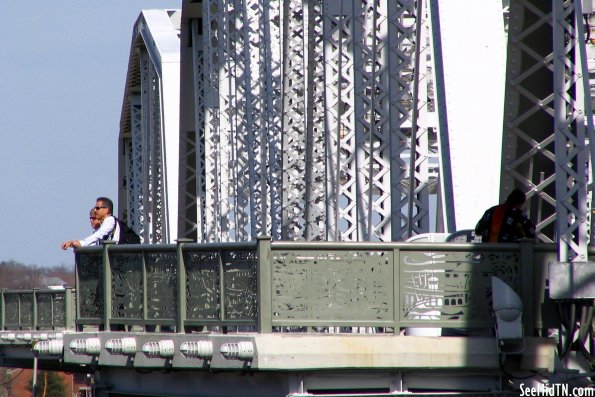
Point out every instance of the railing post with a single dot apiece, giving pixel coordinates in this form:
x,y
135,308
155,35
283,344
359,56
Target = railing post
x,y
264,287
20,314
34,309
3,313
145,293
68,318
107,286
397,290
527,284
221,271
181,284
77,289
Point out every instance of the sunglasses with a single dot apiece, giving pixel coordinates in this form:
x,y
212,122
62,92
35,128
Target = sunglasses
x,y
98,208
92,218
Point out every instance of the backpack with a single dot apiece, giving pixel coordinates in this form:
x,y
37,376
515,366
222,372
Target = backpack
x,y
127,235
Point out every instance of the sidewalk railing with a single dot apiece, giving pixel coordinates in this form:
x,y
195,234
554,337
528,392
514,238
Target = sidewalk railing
x,y
269,286
37,309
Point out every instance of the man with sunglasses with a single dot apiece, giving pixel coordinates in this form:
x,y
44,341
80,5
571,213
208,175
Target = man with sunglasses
x,y
107,231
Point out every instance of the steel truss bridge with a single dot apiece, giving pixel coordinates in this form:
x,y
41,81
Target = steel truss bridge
x,y
275,154
355,120
289,318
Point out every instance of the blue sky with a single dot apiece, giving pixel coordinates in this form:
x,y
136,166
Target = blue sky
x,y
62,75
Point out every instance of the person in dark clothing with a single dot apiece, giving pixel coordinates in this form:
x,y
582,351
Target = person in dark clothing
x,y
506,223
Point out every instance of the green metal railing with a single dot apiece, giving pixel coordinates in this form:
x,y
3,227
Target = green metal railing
x,y
37,309
272,286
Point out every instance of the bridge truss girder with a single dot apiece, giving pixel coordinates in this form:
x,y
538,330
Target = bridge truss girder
x,y
303,121
303,111
548,122
149,139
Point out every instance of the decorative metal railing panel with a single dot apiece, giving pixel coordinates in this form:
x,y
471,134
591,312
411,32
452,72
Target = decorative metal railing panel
x,y
161,285
127,276
12,310
37,309
330,285
203,280
89,286
299,286
453,286
221,285
52,309
239,285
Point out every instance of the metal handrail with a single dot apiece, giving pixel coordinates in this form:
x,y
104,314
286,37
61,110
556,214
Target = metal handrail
x,y
24,309
187,286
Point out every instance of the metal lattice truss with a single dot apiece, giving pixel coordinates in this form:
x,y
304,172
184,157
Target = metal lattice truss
x,y
303,121
309,120
149,139
547,122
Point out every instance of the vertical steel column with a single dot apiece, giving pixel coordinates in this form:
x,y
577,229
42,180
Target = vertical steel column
x,y
547,121
293,124
569,129
340,120
157,192
212,56
225,142
335,23
146,143
315,177
416,35
528,152
270,28
254,128
192,171
241,119
135,188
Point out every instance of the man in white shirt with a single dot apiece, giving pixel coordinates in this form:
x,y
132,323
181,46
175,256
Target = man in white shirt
x,y
107,231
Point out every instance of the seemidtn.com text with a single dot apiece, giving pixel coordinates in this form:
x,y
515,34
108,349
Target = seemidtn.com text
x,y
561,390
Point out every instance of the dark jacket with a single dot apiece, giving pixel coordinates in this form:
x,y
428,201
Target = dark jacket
x,y
504,224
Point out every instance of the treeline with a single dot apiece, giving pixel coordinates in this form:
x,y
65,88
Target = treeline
x,y
14,275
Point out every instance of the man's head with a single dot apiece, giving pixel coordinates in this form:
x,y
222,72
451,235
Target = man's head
x,y
103,208
95,222
516,198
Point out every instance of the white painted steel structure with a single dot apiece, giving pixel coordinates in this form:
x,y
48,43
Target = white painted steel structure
x,y
548,122
149,128
320,93
303,119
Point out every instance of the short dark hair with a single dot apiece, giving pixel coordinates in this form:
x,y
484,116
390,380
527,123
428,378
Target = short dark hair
x,y
516,197
108,203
